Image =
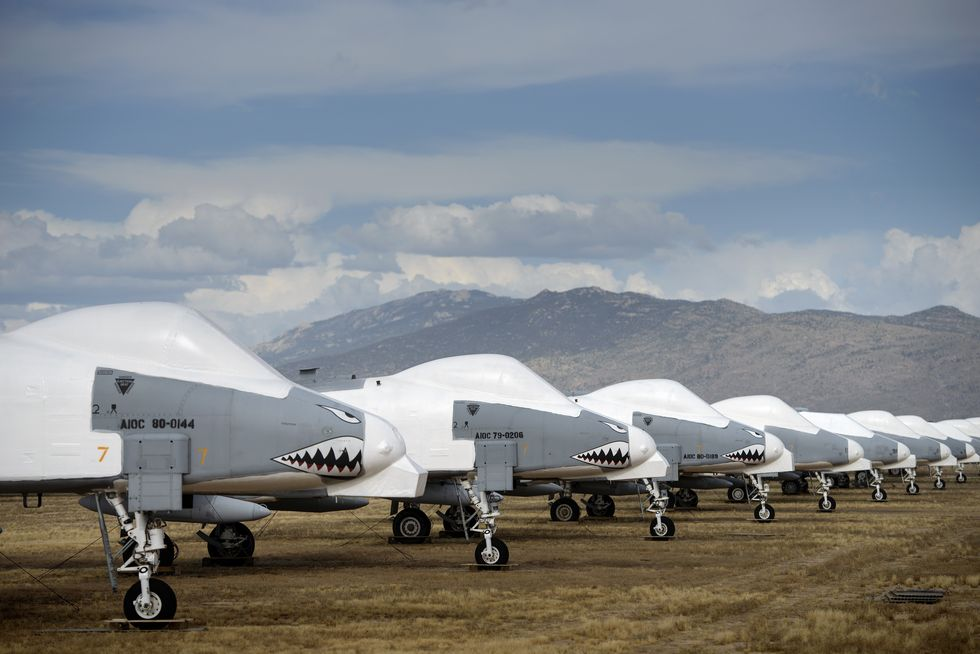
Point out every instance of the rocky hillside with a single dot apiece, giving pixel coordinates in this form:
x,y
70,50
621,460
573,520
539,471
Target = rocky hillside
x,y
926,363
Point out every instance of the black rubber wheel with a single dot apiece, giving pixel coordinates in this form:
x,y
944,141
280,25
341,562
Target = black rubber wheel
x,y
452,522
826,505
940,484
912,488
879,495
600,506
764,513
843,480
498,554
686,498
861,479
237,541
791,487
738,494
664,531
412,524
960,477
164,604
565,509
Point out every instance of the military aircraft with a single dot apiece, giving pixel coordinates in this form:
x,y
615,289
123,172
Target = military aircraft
x,y
697,441
814,449
925,450
883,452
959,449
148,405
482,425
957,439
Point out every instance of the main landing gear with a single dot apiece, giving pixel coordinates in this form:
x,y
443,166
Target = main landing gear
x,y
411,524
230,540
149,599
661,527
760,492
565,509
490,551
826,503
600,506
738,494
456,520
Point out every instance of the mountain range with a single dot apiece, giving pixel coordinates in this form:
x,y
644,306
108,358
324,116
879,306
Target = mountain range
x,y
925,363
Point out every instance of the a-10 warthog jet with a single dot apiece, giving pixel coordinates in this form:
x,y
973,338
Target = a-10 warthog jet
x,y
148,405
815,450
485,425
696,440
960,450
884,453
925,450
963,429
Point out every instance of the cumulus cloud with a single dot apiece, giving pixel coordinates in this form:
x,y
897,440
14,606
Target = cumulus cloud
x,y
532,226
338,48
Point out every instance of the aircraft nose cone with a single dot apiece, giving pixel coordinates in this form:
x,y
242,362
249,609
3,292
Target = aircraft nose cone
x,y
642,445
854,450
944,451
774,447
383,445
903,452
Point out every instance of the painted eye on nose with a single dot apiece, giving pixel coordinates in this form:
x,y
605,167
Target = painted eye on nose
x,y
753,432
616,428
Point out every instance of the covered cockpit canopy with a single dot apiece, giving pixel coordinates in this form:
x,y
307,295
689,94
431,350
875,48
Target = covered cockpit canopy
x,y
837,423
660,397
491,375
884,422
921,427
761,411
156,338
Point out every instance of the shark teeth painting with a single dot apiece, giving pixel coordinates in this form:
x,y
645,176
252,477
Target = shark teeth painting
x,y
611,455
337,457
750,454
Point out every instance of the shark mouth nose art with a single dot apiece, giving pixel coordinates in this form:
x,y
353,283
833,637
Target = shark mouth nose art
x,y
337,457
750,454
611,455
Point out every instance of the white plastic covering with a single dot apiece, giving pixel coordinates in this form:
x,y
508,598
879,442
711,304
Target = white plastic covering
x,y
658,397
838,423
950,431
760,411
884,422
493,376
921,427
969,427
156,338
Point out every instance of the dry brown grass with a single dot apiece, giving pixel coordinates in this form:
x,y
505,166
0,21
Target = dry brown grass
x,y
332,583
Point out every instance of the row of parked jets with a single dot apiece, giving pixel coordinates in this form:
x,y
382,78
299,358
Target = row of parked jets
x,y
153,414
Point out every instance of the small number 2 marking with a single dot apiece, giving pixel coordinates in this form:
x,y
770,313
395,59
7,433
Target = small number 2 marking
x,y
204,453
105,450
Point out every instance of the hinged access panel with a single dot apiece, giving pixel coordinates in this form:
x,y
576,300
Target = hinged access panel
x,y
495,461
154,465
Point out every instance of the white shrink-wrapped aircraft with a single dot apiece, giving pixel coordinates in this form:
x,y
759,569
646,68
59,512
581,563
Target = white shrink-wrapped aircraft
x,y
152,408
960,449
883,452
697,441
961,444
485,424
924,449
814,449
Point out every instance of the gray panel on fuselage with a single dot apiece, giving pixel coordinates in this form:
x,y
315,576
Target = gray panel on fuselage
x,y
822,447
231,432
702,444
544,440
922,448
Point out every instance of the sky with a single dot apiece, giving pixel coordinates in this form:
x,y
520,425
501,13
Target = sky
x,y
271,164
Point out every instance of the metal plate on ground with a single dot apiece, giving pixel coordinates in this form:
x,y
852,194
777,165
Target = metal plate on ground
x,y
914,595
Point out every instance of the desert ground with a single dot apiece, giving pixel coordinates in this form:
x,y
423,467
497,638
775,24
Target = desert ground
x,y
332,582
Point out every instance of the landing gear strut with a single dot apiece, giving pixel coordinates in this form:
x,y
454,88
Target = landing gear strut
x,y
148,599
760,492
826,503
661,527
908,476
878,494
490,550
960,475
939,483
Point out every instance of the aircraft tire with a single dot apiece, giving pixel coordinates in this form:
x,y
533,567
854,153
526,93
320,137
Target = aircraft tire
x,y
411,523
237,539
879,495
600,506
665,531
827,505
565,509
738,494
912,489
686,498
861,479
939,484
451,521
764,513
791,487
164,604
498,555
960,477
